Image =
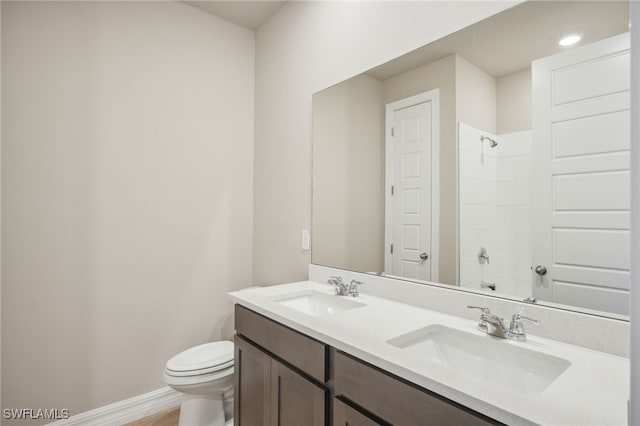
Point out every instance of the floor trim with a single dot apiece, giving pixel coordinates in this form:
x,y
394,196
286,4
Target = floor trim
x,y
127,410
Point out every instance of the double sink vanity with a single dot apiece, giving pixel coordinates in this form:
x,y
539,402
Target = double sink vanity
x,y
307,356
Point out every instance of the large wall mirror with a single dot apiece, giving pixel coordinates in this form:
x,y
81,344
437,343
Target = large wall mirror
x,y
492,160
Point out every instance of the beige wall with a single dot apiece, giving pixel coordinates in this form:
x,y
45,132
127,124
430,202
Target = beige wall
x,y
304,48
475,96
348,175
441,75
127,154
514,102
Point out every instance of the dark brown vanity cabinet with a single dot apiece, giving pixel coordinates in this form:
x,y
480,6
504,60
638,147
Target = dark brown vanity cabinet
x,y
280,375
393,400
284,378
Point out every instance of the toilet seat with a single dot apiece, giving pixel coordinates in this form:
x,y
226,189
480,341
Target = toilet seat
x,y
198,379
202,359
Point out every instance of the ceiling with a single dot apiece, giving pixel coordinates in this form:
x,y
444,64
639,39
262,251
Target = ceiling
x,y
249,14
533,29
509,41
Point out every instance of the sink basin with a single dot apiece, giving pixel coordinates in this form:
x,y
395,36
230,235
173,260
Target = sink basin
x,y
498,361
317,304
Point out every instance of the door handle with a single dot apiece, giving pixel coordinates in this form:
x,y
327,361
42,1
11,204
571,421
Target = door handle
x,y
541,270
424,256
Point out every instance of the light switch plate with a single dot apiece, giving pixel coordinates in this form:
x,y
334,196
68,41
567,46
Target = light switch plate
x,y
305,239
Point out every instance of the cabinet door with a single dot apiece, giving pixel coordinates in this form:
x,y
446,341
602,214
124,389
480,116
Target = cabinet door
x,y
252,385
295,401
344,415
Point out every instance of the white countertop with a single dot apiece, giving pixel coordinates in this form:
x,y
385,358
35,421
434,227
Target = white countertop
x,y
593,390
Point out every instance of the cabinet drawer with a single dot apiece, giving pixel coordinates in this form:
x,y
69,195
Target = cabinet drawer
x,y
396,400
345,415
298,350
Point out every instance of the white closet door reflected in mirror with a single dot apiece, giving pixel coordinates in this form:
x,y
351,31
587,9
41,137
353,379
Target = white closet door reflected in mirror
x,y
411,188
581,163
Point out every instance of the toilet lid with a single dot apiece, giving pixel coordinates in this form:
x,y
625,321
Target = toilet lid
x,y
202,359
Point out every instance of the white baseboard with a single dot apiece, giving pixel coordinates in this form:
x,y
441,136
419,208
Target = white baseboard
x,y
127,410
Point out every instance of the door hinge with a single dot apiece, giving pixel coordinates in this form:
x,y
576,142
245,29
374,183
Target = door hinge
x,y
391,189
393,131
391,248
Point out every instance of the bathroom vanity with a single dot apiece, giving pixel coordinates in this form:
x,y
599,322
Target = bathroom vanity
x,y
307,357
287,378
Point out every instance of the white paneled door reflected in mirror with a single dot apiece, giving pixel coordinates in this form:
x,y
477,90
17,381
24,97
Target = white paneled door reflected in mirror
x,y
494,160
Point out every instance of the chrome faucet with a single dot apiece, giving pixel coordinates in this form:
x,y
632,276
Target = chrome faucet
x,y
490,323
495,326
340,288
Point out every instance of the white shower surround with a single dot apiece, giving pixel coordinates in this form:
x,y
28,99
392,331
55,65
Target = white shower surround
x,y
495,210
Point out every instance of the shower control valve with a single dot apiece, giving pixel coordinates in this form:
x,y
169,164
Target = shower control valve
x,y
483,256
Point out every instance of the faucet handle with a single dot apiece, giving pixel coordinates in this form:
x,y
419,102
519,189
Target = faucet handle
x,y
527,319
482,325
353,288
334,280
484,310
516,328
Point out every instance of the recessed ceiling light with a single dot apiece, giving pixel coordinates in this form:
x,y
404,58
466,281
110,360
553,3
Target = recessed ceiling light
x,y
569,40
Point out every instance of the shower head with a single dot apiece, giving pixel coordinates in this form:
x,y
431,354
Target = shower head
x,y
492,143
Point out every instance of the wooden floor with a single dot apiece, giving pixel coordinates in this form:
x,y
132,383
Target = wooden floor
x,y
165,418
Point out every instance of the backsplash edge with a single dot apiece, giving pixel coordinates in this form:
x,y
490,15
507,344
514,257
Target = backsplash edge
x,y
589,331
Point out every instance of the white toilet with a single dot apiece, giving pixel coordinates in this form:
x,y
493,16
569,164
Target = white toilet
x,y
204,375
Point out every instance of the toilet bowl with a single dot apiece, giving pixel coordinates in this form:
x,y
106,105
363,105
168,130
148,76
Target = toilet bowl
x,y
204,375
